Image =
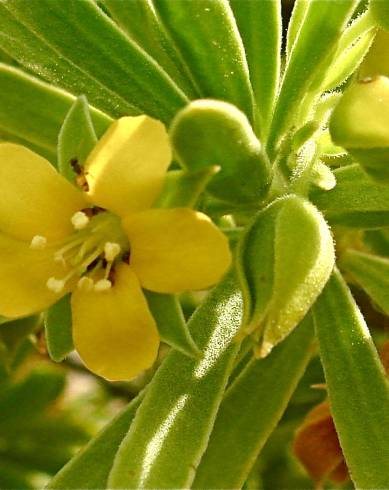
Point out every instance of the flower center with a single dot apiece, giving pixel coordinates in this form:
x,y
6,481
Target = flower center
x,y
90,252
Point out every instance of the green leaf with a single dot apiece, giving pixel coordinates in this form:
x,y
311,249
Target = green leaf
x,y
172,328
139,20
76,138
349,60
172,426
58,329
183,188
284,260
34,111
380,11
356,200
260,26
89,469
377,241
371,273
315,45
211,132
208,39
299,11
251,409
357,386
31,395
74,45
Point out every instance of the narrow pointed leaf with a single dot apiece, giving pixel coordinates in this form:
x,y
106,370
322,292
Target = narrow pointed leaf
x,y
110,69
139,20
172,328
207,36
371,273
34,111
58,329
357,386
356,200
260,25
171,428
299,11
76,138
315,45
90,467
251,409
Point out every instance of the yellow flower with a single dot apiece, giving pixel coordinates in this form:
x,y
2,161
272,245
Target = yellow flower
x,y
104,244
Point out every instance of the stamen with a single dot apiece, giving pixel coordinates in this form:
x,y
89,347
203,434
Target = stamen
x,y
102,285
85,284
79,220
111,251
55,285
38,242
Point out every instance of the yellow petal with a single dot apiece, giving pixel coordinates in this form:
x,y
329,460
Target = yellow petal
x,y
34,198
23,276
113,330
127,168
173,250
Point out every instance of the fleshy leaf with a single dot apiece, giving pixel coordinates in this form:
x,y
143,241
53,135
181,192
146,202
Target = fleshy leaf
x,y
260,25
44,109
251,409
285,259
371,273
76,139
208,39
89,468
172,426
211,132
171,324
76,46
357,386
58,329
356,200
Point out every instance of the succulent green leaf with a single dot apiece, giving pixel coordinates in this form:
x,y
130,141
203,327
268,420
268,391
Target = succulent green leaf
x,y
371,273
251,409
89,469
299,11
211,132
139,20
183,188
260,25
357,386
315,45
322,177
348,61
76,46
171,324
58,329
284,261
76,139
32,111
208,39
35,392
380,11
356,200
172,426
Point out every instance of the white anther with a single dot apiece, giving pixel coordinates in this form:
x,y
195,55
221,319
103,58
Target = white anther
x,y
111,251
79,220
55,285
102,285
85,284
38,242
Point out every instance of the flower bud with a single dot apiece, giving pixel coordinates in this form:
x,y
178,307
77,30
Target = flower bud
x,y
360,124
211,132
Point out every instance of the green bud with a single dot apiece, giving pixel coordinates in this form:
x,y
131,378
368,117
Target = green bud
x,y
360,123
210,132
376,61
284,260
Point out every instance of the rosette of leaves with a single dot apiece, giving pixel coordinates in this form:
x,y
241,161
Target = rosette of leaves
x,y
249,118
